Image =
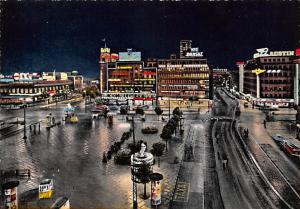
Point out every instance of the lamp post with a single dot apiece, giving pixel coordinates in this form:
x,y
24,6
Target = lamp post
x,y
134,186
84,91
24,107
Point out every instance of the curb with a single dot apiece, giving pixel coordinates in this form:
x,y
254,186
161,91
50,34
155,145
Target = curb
x,y
260,170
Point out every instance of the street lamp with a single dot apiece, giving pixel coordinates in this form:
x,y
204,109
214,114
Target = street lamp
x,y
84,91
24,107
134,186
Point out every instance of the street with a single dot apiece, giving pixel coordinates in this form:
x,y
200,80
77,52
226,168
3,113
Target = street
x,y
257,175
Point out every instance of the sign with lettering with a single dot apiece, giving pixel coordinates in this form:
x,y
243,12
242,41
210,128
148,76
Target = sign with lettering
x,y
264,52
194,53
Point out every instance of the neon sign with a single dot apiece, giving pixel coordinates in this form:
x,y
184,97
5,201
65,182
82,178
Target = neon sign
x,y
264,52
194,53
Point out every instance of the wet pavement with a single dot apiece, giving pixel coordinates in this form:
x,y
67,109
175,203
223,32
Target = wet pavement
x,y
71,154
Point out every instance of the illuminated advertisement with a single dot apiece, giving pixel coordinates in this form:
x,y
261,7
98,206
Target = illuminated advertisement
x,y
10,195
297,52
105,50
156,193
194,53
114,57
129,56
264,52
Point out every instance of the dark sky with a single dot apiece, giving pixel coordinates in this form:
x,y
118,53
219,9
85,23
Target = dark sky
x,y
42,36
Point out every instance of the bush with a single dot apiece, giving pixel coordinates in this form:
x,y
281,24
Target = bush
x,y
137,146
158,149
123,157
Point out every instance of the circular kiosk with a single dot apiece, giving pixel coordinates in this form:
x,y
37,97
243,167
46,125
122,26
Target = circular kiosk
x,y
10,194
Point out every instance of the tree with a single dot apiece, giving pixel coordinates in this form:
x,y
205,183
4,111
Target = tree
x,y
167,133
158,111
139,110
158,150
177,111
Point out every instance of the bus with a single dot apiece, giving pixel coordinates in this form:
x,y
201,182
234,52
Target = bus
x,y
46,189
61,203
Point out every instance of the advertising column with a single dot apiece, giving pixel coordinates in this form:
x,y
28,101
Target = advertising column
x,y
241,76
10,194
156,188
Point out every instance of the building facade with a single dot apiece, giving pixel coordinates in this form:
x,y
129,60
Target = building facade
x,y
129,79
271,77
186,78
183,78
32,88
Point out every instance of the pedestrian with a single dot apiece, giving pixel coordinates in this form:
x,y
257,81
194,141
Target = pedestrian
x,y
265,123
219,156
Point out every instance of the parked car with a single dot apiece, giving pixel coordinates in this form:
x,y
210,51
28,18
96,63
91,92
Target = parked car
x,y
246,104
278,139
113,108
146,107
292,147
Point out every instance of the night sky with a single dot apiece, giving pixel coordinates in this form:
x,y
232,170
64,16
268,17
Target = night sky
x,y
42,36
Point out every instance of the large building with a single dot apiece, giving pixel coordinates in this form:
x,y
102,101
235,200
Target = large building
x,y
185,78
32,87
181,79
129,79
270,77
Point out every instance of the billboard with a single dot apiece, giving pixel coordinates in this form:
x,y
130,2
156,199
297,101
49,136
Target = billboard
x,y
130,56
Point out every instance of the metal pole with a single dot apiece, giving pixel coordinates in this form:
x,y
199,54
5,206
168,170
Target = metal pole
x,y
24,137
169,108
85,103
134,186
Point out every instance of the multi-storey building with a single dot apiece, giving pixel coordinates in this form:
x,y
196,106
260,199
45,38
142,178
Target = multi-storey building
x,y
186,78
270,77
221,76
129,79
183,78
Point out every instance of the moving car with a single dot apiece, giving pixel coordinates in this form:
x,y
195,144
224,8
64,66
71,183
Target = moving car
x,y
96,113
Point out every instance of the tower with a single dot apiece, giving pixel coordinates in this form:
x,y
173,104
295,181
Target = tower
x,y
185,46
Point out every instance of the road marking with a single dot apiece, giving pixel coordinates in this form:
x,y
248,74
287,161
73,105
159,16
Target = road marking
x,y
182,192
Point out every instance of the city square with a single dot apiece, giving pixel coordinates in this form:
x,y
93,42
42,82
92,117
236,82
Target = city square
x,y
173,105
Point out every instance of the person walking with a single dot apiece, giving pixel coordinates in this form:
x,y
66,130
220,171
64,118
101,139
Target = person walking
x,y
265,123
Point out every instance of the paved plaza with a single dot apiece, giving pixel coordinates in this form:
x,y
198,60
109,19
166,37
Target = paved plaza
x,y
71,154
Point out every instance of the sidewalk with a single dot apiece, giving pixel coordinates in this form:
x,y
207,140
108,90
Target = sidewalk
x,y
253,119
278,168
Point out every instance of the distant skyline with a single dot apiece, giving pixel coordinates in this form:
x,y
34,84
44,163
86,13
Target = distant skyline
x,y
65,36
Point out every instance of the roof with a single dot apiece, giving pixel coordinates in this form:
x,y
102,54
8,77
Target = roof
x,y
59,202
46,181
294,142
